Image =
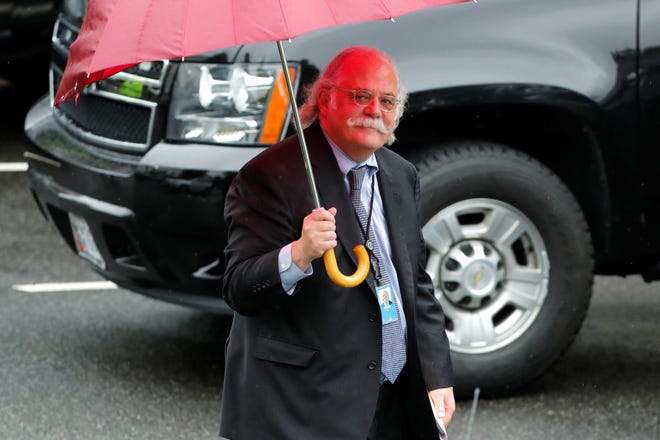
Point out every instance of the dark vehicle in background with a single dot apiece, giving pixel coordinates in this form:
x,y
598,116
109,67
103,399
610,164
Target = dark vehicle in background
x,y
26,27
535,127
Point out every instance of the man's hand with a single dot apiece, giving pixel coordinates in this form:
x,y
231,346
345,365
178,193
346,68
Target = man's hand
x,y
443,402
318,235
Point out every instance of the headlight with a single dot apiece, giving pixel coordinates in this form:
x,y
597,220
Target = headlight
x,y
75,9
238,103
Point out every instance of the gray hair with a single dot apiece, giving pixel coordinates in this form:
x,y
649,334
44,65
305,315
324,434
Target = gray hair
x,y
309,111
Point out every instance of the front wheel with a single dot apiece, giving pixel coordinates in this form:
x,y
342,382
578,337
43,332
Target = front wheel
x,y
510,256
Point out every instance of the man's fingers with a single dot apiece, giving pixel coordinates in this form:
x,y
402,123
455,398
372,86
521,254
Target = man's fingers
x,y
443,402
320,224
322,214
319,232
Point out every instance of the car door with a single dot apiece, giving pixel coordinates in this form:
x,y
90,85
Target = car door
x,y
649,92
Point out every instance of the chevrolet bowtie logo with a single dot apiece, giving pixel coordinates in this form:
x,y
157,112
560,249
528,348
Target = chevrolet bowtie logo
x,y
479,276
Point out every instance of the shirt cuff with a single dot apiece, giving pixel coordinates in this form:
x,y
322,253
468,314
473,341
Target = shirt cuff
x,y
290,274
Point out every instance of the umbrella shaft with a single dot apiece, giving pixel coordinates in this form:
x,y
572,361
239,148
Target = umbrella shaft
x,y
299,130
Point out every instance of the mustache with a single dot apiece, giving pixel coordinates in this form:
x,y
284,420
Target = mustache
x,y
374,123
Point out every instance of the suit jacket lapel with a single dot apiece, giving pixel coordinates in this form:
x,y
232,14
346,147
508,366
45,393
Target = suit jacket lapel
x,y
392,201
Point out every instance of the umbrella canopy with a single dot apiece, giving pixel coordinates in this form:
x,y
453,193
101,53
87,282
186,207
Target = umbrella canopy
x,y
117,34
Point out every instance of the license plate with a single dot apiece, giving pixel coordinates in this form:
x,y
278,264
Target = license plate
x,y
85,244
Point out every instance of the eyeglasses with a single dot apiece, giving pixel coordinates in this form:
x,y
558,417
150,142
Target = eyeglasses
x,y
363,97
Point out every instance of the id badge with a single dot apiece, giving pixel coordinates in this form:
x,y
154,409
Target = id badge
x,y
387,303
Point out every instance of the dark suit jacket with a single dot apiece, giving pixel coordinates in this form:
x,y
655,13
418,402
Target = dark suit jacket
x,y
307,366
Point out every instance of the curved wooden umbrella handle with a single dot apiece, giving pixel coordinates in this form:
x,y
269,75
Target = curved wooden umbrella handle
x,y
339,278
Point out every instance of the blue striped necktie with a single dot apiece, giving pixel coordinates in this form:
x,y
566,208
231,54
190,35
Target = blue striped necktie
x,y
394,343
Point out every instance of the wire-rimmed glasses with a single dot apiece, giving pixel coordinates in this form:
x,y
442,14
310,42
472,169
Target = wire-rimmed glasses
x,y
364,97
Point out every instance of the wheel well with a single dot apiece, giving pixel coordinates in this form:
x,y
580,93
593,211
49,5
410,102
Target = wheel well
x,y
559,139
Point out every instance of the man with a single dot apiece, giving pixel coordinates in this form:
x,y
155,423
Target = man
x,y
307,359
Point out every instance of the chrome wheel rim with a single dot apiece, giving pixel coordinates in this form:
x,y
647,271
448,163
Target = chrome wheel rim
x,y
489,267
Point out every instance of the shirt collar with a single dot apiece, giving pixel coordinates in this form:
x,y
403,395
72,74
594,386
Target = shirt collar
x,y
346,163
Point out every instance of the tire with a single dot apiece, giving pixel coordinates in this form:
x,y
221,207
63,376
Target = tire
x,y
511,258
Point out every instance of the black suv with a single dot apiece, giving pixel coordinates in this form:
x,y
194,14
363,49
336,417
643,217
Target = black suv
x,y
535,126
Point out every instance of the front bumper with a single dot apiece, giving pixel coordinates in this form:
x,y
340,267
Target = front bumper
x,y
156,220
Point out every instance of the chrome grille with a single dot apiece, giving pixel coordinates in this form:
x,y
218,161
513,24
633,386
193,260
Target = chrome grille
x,y
117,113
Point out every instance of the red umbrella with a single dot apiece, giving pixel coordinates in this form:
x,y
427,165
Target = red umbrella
x,y
117,34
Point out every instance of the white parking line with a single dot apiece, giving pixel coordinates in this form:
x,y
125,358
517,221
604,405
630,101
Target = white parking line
x,y
64,287
13,167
